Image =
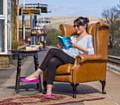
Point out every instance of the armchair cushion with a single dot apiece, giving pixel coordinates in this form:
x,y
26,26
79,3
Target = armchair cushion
x,y
64,69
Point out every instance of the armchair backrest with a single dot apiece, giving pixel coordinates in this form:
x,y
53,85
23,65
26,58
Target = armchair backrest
x,y
67,30
100,36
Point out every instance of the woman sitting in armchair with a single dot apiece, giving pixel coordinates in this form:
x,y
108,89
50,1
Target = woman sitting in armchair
x,y
81,44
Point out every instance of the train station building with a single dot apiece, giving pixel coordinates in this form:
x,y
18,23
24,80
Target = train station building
x,y
5,32
5,26
9,27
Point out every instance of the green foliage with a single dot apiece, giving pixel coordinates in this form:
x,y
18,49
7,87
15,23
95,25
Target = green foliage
x,y
52,36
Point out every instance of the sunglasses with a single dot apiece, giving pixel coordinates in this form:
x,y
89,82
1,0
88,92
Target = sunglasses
x,y
76,25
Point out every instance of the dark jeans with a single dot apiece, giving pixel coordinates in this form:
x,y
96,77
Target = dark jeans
x,y
53,59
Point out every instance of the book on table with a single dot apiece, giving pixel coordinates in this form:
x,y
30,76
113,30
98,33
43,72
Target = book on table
x,y
65,41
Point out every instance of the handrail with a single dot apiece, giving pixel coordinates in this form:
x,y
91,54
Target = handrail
x,y
114,59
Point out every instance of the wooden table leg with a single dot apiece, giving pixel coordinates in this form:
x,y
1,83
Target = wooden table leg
x,y
36,62
17,86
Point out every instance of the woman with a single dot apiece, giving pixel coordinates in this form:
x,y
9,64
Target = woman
x,y
81,44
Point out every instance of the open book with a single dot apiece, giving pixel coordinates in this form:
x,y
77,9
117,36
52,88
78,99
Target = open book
x,y
65,41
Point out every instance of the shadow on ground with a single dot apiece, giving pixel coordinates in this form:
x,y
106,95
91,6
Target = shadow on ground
x,y
59,88
67,89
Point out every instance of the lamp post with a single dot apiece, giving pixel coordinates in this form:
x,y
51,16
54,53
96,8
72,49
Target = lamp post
x,y
23,21
17,20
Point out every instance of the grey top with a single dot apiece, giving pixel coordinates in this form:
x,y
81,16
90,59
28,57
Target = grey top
x,y
84,42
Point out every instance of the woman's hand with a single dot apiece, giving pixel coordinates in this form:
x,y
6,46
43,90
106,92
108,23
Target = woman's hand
x,y
75,45
79,48
59,46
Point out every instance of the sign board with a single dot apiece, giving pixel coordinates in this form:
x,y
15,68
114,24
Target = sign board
x,y
30,11
42,7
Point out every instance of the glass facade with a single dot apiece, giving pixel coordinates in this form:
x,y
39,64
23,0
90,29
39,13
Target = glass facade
x,y
5,26
2,28
2,34
1,7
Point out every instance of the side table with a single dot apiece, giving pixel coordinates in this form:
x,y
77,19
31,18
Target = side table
x,y
20,54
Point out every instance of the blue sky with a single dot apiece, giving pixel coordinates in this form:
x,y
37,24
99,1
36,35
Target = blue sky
x,y
75,7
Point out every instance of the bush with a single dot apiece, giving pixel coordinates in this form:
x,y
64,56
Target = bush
x,y
52,36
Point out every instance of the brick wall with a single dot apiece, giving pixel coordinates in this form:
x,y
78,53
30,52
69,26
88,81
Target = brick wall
x,y
4,61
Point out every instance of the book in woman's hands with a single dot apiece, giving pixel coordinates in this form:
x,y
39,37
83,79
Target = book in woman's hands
x,y
65,41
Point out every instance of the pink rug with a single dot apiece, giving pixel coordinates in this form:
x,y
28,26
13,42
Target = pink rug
x,y
38,99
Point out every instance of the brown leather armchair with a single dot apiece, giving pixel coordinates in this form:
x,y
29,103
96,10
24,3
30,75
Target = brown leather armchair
x,y
86,67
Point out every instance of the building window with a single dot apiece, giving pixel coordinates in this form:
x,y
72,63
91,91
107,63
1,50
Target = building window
x,y
1,7
9,22
2,32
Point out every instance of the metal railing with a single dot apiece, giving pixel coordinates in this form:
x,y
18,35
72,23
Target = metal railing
x,y
113,63
114,59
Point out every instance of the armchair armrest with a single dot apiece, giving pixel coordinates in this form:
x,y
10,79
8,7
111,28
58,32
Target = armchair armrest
x,y
82,58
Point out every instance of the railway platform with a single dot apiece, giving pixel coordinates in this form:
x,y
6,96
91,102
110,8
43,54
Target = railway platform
x,y
7,83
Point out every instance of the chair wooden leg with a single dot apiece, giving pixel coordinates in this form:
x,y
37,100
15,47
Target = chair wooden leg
x,y
74,86
103,83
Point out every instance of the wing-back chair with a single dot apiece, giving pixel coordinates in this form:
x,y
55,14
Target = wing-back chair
x,y
86,67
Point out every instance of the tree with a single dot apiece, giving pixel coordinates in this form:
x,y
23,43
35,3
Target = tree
x,y
52,36
112,17
14,4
